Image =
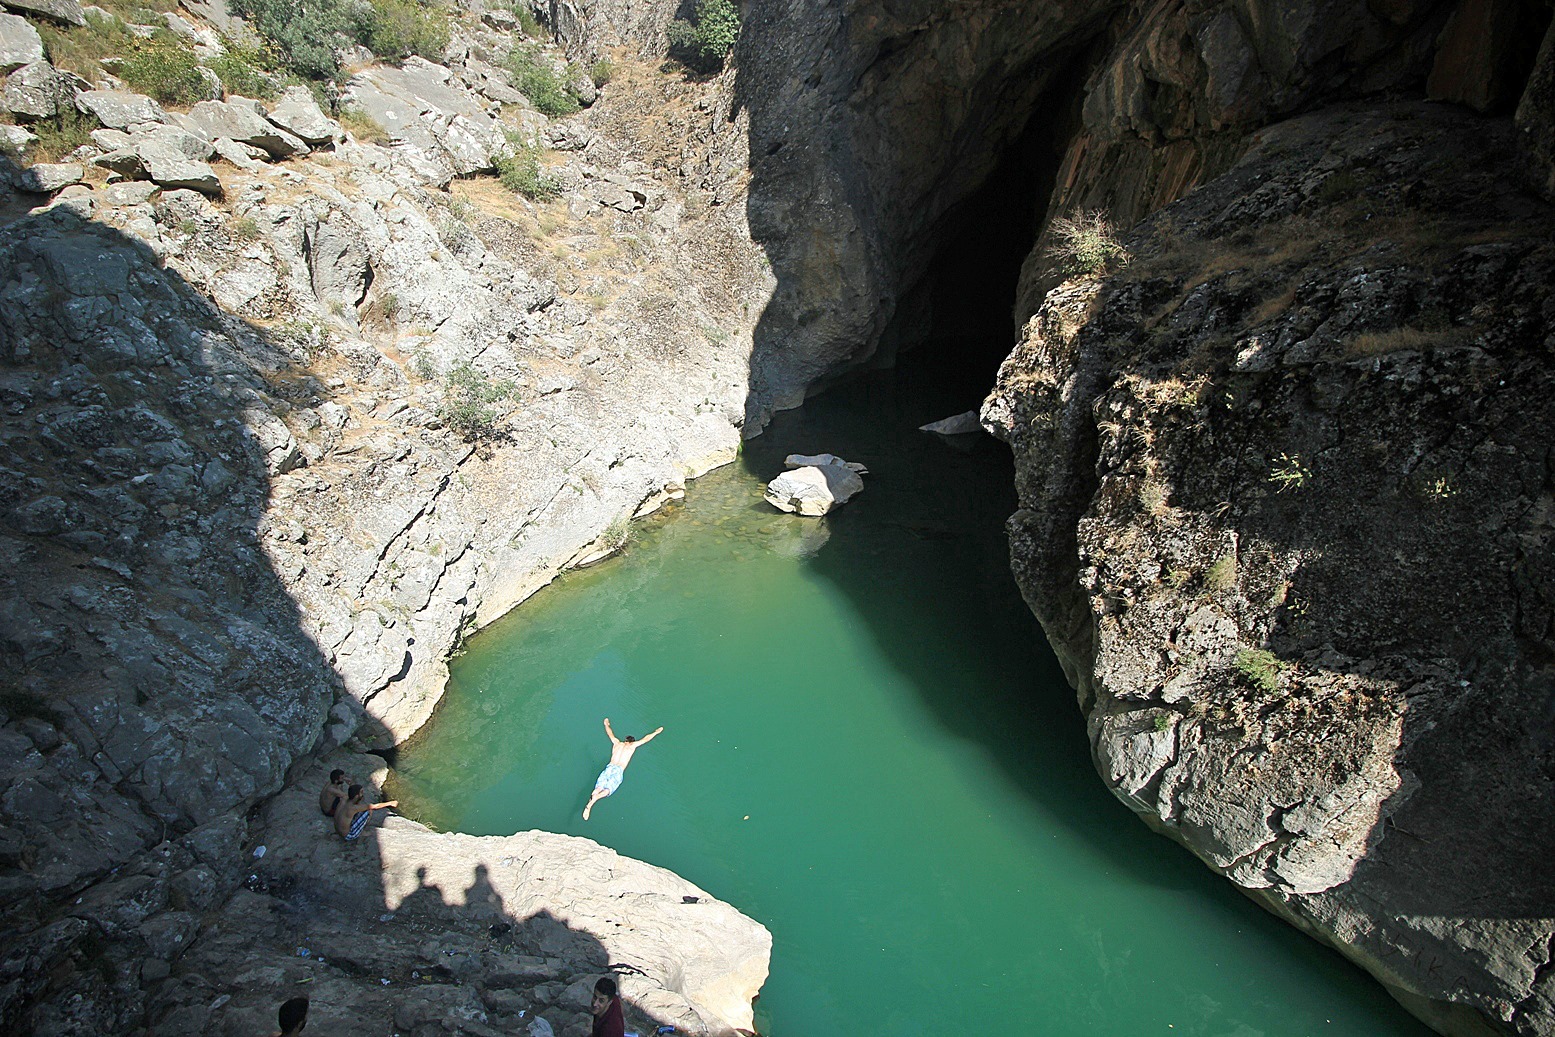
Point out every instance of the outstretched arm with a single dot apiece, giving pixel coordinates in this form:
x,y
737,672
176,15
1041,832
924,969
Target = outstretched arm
x,y
385,805
645,739
613,739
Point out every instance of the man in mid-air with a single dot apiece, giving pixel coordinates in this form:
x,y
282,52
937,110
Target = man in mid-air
x,y
621,750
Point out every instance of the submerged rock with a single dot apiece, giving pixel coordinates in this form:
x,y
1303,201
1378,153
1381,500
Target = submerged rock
x,y
957,425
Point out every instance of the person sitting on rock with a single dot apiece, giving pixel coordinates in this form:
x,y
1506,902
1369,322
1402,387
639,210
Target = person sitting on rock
x,y
351,816
293,1017
621,750
334,793
606,1006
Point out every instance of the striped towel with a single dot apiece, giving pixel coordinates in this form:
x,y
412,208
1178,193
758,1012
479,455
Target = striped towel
x,y
358,823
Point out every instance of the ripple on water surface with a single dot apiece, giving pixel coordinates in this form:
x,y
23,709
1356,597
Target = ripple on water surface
x,y
869,748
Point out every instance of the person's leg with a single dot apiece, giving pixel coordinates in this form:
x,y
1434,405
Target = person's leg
x,y
598,795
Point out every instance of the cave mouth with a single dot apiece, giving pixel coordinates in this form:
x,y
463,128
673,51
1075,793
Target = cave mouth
x,y
958,318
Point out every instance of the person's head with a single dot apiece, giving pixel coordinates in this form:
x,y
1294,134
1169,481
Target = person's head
x,y
354,793
336,776
629,738
294,1015
604,993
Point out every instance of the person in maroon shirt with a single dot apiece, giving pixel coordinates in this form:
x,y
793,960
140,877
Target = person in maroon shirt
x,y
606,1006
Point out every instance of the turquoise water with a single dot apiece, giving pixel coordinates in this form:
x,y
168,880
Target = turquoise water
x,y
869,748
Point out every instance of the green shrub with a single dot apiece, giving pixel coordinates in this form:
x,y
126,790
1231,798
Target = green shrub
x,y
1259,667
536,79
468,397
520,173
399,28
528,24
602,72
1084,244
245,228
242,71
165,68
304,34
704,42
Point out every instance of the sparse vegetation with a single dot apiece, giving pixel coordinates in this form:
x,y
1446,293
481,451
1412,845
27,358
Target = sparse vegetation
x,y
1221,576
528,24
80,49
245,228
537,79
60,136
1259,668
306,36
1162,723
602,72
520,172
362,126
1084,244
468,402
1289,473
704,42
617,535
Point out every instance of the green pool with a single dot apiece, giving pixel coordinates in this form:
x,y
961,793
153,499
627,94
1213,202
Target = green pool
x,y
868,747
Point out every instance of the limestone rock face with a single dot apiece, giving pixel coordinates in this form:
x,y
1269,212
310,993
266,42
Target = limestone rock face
x,y
244,121
118,109
1288,576
40,91
813,491
48,177
298,113
67,12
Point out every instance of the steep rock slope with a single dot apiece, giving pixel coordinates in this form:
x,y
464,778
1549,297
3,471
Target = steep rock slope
x,y
1286,499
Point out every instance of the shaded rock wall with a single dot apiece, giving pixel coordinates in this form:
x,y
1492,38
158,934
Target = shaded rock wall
x,y
1285,508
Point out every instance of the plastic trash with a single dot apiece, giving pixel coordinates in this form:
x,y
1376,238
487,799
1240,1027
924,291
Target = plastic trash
x,y
259,851
665,1029
538,1027
303,952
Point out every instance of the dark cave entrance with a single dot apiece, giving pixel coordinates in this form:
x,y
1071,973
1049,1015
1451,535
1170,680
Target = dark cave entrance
x,y
956,323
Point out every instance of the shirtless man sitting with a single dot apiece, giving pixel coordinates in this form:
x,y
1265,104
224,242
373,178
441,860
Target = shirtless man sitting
x,y
334,793
621,750
351,816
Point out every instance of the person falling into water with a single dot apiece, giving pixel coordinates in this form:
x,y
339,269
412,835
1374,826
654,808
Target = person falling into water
x,y
621,750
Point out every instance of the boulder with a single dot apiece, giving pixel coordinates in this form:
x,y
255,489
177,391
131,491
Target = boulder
x,y
298,114
129,192
118,109
816,460
237,119
14,139
41,91
111,140
20,43
48,177
67,12
422,104
955,425
814,490
244,156
164,163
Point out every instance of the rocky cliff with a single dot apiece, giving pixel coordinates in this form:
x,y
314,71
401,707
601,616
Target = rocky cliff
x,y
290,411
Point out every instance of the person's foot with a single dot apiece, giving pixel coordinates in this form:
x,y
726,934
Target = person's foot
x,y
586,811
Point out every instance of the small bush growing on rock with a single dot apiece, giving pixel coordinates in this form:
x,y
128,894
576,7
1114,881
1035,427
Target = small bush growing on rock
x,y
468,397
1084,244
242,71
520,173
399,28
617,535
1289,473
602,72
528,24
1259,667
536,79
304,35
704,42
165,68
245,228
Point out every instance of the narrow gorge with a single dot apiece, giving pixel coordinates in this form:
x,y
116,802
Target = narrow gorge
x,y
298,395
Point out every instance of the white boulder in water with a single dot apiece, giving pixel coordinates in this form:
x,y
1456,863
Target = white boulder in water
x,y
813,490
817,460
956,425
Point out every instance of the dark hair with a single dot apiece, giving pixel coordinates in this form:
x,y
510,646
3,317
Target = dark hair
x,y
353,791
629,738
293,1014
335,775
605,985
